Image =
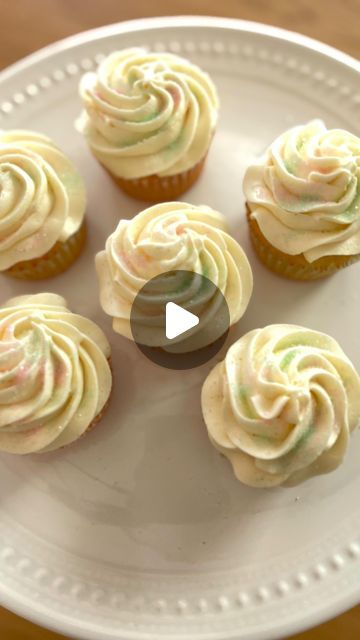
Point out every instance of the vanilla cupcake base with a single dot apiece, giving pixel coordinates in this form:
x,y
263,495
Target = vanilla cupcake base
x,y
60,257
160,189
294,267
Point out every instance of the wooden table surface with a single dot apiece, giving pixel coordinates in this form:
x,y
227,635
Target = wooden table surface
x,y
26,26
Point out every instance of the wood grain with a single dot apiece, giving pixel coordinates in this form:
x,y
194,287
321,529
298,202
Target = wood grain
x,y
26,26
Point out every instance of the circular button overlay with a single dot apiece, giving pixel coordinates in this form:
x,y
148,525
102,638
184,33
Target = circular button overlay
x,y
180,319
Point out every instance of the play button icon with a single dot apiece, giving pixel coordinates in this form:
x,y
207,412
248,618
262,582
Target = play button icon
x,y
179,319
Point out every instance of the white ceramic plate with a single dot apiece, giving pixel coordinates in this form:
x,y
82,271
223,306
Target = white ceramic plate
x,y
140,531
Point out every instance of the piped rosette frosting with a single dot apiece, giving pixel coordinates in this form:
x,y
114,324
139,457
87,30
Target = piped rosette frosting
x,y
148,113
55,378
42,197
282,405
172,237
305,192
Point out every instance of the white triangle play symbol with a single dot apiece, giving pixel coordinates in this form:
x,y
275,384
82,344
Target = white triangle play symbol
x,y
178,320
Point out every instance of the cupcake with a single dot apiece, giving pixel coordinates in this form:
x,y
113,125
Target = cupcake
x,y
55,377
42,204
303,202
149,119
176,237
282,405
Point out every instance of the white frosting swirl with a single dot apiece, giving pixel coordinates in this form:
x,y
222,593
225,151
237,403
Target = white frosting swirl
x,y
168,237
55,377
305,192
42,197
148,113
282,405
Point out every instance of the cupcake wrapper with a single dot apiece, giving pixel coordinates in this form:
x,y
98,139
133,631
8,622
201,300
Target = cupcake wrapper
x,y
57,260
294,267
160,189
